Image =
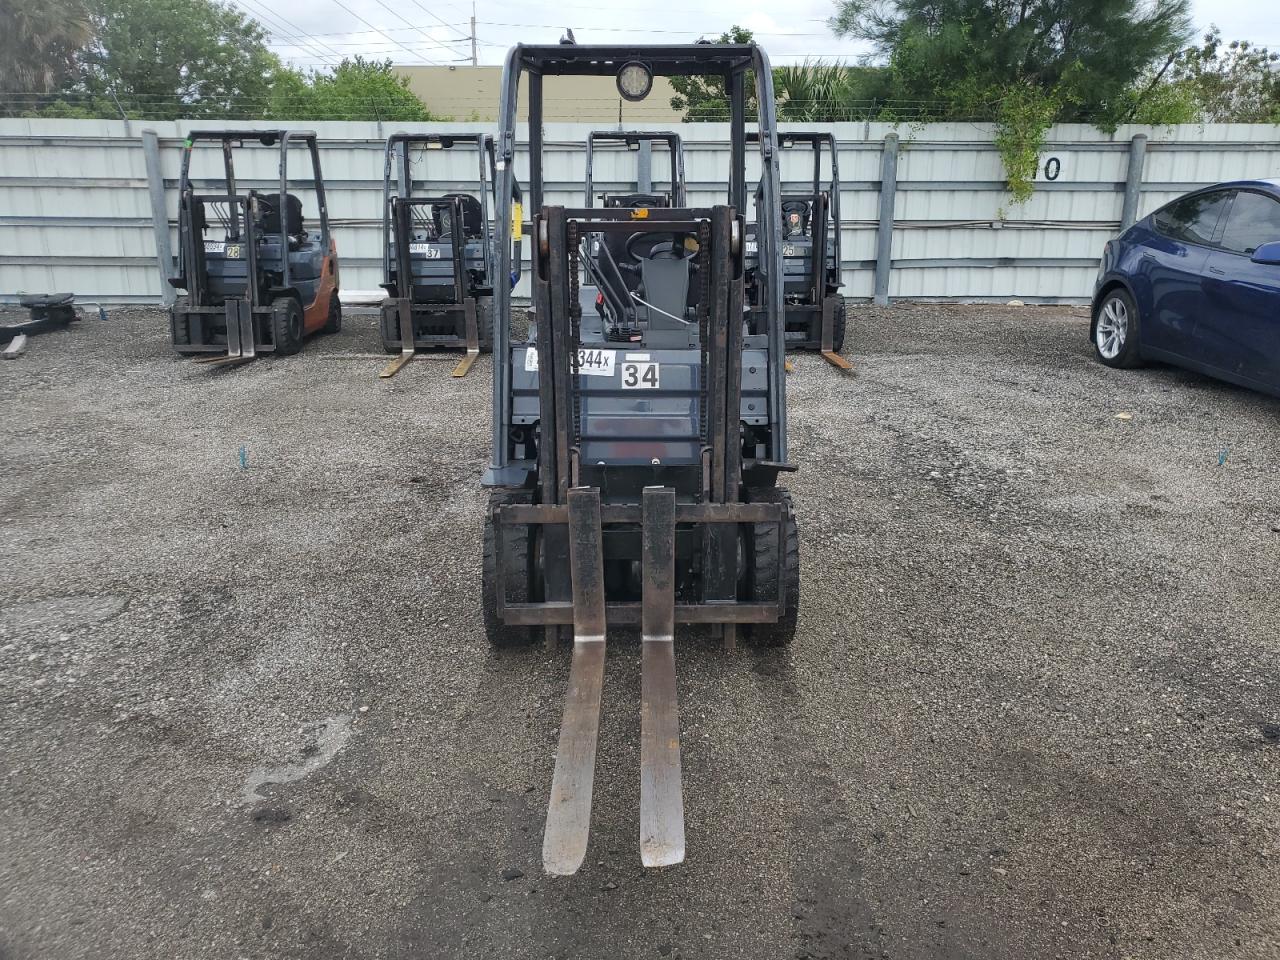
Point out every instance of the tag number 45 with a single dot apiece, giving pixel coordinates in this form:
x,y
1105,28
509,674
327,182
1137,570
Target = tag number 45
x,y
640,376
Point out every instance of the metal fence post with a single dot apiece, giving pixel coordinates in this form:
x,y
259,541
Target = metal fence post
x,y
1133,181
884,233
159,214
644,168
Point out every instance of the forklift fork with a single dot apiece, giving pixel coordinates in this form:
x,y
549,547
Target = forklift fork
x,y
240,342
404,313
564,844
473,338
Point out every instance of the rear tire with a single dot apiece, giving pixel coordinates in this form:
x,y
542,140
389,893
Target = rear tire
x,y
1116,329
334,322
763,574
517,566
286,326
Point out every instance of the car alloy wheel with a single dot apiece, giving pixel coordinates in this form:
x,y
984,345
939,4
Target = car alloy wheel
x,y
1113,328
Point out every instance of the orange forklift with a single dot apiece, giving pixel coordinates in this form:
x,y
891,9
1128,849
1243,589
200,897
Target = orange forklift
x,y
257,281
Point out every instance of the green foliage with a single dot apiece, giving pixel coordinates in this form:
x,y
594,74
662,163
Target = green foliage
x,y
1026,64
1024,116
818,92
705,98
1232,82
960,54
39,40
168,59
356,89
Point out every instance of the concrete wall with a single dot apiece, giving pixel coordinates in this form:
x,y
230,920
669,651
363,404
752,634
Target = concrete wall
x,y
465,93
76,213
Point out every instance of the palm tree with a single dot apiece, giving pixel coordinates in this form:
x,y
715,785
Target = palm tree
x,y
39,43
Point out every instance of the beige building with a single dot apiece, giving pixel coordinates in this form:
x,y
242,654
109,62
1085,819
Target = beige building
x,y
467,93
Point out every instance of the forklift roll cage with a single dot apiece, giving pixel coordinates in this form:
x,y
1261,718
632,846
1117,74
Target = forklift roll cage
x,y
732,62
246,316
398,207
815,318
230,139
589,492
675,151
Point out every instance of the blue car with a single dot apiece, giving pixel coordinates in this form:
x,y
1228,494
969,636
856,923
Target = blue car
x,y
1197,284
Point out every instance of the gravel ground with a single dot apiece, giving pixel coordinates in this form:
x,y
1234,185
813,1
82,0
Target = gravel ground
x,y
1033,709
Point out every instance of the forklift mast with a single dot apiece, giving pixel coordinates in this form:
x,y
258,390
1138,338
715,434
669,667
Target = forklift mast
x,y
638,431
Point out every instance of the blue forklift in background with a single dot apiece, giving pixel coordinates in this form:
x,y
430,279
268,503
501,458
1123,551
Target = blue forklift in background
x,y
810,239
437,254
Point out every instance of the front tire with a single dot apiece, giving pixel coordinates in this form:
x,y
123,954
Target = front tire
x,y
333,324
286,326
516,560
1115,330
764,547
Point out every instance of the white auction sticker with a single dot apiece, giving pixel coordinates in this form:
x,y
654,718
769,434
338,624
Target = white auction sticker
x,y
591,362
213,246
432,252
595,363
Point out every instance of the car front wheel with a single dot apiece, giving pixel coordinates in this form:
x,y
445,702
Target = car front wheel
x,y
1115,330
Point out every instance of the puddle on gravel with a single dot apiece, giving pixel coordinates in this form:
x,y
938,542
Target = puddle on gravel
x,y
324,740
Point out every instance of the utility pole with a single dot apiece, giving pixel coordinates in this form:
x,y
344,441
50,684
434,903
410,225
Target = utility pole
x,y
475,61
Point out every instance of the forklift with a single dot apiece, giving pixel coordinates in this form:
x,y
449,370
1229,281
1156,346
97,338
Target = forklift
x,y
815,310
256,280
437,255
639,431
641,141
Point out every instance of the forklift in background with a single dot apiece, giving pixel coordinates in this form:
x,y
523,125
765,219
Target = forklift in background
x,y
815,310
437,254
639,432
256,280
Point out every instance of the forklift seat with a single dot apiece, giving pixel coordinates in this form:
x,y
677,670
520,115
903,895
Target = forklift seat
x,y
472,216
270,216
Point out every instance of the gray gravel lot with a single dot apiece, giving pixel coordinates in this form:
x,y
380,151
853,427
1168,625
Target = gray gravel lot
x,y
1033,709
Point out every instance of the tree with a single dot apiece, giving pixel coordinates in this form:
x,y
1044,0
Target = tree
x,y
170,59
705,98
1232,82
39,42
962,56
357,89
817,92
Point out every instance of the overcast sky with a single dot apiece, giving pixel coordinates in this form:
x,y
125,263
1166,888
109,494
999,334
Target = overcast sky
x,y
319,32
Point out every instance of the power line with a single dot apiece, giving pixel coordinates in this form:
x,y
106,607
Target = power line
x,y
318,46
379,30
438,43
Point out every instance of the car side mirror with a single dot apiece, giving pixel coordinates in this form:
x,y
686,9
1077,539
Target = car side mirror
x,y
1268,253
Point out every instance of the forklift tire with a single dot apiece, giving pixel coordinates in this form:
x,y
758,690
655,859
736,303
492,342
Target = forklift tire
x,y
286,326
516,571
763,578
837,327
484,323
334,323
180,324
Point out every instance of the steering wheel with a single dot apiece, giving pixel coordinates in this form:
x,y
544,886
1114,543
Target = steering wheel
x,y
662,246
